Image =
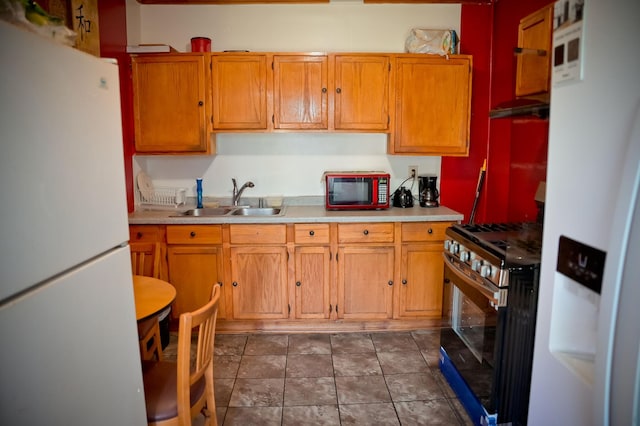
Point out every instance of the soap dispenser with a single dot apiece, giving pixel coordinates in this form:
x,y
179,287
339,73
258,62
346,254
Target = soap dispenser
x,y
199,193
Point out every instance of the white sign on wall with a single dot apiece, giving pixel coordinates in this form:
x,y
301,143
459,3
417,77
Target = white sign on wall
x,y
567,41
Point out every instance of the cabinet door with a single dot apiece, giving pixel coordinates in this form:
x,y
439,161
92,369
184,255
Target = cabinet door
x,y
259,284
533,71
171,101
433,101
420,288
239,85
300,92
193,270
312,282
365,282
361,92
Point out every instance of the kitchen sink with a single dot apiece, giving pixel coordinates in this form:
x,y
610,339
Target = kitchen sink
x,y
233,211
207,211
257,211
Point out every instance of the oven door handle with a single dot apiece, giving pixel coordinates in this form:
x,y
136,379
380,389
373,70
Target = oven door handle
x,y
497,296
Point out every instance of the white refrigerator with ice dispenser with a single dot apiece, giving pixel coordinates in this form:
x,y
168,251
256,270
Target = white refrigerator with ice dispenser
x,y
68,351
586,364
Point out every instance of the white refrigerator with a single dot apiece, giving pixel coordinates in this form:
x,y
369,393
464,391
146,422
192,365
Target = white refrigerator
x,y
586,365
68,349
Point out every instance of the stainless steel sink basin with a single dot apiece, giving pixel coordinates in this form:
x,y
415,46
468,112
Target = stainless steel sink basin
x,y
258,211
207,211
232,211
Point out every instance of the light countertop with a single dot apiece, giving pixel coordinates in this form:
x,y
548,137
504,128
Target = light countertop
x,y
300,214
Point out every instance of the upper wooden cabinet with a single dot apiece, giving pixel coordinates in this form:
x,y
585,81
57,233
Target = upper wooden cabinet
x,y
422,101
239,84
533,71
362,92
432,105
171,101
300,92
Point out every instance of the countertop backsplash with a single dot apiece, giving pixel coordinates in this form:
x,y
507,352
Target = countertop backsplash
x,y
280,165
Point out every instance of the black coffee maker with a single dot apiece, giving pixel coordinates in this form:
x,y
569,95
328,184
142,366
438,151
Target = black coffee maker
x,y
428,191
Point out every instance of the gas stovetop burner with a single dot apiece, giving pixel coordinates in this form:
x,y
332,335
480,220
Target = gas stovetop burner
x,y
516,241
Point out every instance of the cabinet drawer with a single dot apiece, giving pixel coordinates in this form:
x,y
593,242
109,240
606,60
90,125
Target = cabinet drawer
x,y
194,234
310,233
365,233
146,234
424,231
258,234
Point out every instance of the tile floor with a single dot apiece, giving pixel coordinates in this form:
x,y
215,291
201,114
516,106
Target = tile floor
x,y
381,378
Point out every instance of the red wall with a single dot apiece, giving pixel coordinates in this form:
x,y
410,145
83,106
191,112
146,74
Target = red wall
x,y
515,148
459,175
113,44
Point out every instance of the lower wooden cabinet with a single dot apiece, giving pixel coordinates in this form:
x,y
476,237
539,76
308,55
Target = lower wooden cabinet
x,y
421,270
194,257
365,282
420,288
193,270
312,282
259,282
258,271
307,274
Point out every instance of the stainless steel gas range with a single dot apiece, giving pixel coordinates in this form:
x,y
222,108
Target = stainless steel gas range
x,y
490,304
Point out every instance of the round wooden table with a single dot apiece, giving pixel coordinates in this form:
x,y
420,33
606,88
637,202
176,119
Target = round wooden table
x,y
151,295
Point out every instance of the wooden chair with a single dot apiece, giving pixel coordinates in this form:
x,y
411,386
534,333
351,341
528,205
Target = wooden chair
x,y
145,260
176,392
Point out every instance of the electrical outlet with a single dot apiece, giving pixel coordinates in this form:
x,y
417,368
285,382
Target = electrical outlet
x,y
413,171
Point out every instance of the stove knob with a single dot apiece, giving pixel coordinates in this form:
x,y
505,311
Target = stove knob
x,y
464,255
446,244
485,270
475,265
454,247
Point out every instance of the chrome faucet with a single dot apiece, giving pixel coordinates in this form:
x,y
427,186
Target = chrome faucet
x,y
238,192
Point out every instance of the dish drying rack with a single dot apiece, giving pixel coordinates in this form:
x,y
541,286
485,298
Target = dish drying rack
x,y
162,196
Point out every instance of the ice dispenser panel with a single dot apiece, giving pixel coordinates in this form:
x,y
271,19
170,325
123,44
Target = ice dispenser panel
x,y
576,300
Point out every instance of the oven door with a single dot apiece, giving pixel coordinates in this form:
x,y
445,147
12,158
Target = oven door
x,y
473,339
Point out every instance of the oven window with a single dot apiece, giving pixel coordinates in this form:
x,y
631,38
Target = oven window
x,y
349,191
468,322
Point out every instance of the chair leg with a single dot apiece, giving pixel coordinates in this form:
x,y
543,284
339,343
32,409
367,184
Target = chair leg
x,y
150,340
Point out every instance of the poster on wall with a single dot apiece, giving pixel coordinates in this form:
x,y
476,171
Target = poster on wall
x,y
84,18
567,41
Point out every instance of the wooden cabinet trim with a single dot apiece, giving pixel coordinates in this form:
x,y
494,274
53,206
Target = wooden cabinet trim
x,y
258,234
317,233
194,234
365,233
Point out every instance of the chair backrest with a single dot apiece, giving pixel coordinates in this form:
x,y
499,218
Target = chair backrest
x,y
145,259
204,320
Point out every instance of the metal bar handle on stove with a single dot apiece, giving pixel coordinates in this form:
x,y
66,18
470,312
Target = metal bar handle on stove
x,y
498,298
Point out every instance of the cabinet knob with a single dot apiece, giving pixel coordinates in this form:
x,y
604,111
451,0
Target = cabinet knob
x,y
298,283
235,284
390,282
312,233
192,234
338,90
430,231
139,235
366,232
404,282
324,90
200,103
220,283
